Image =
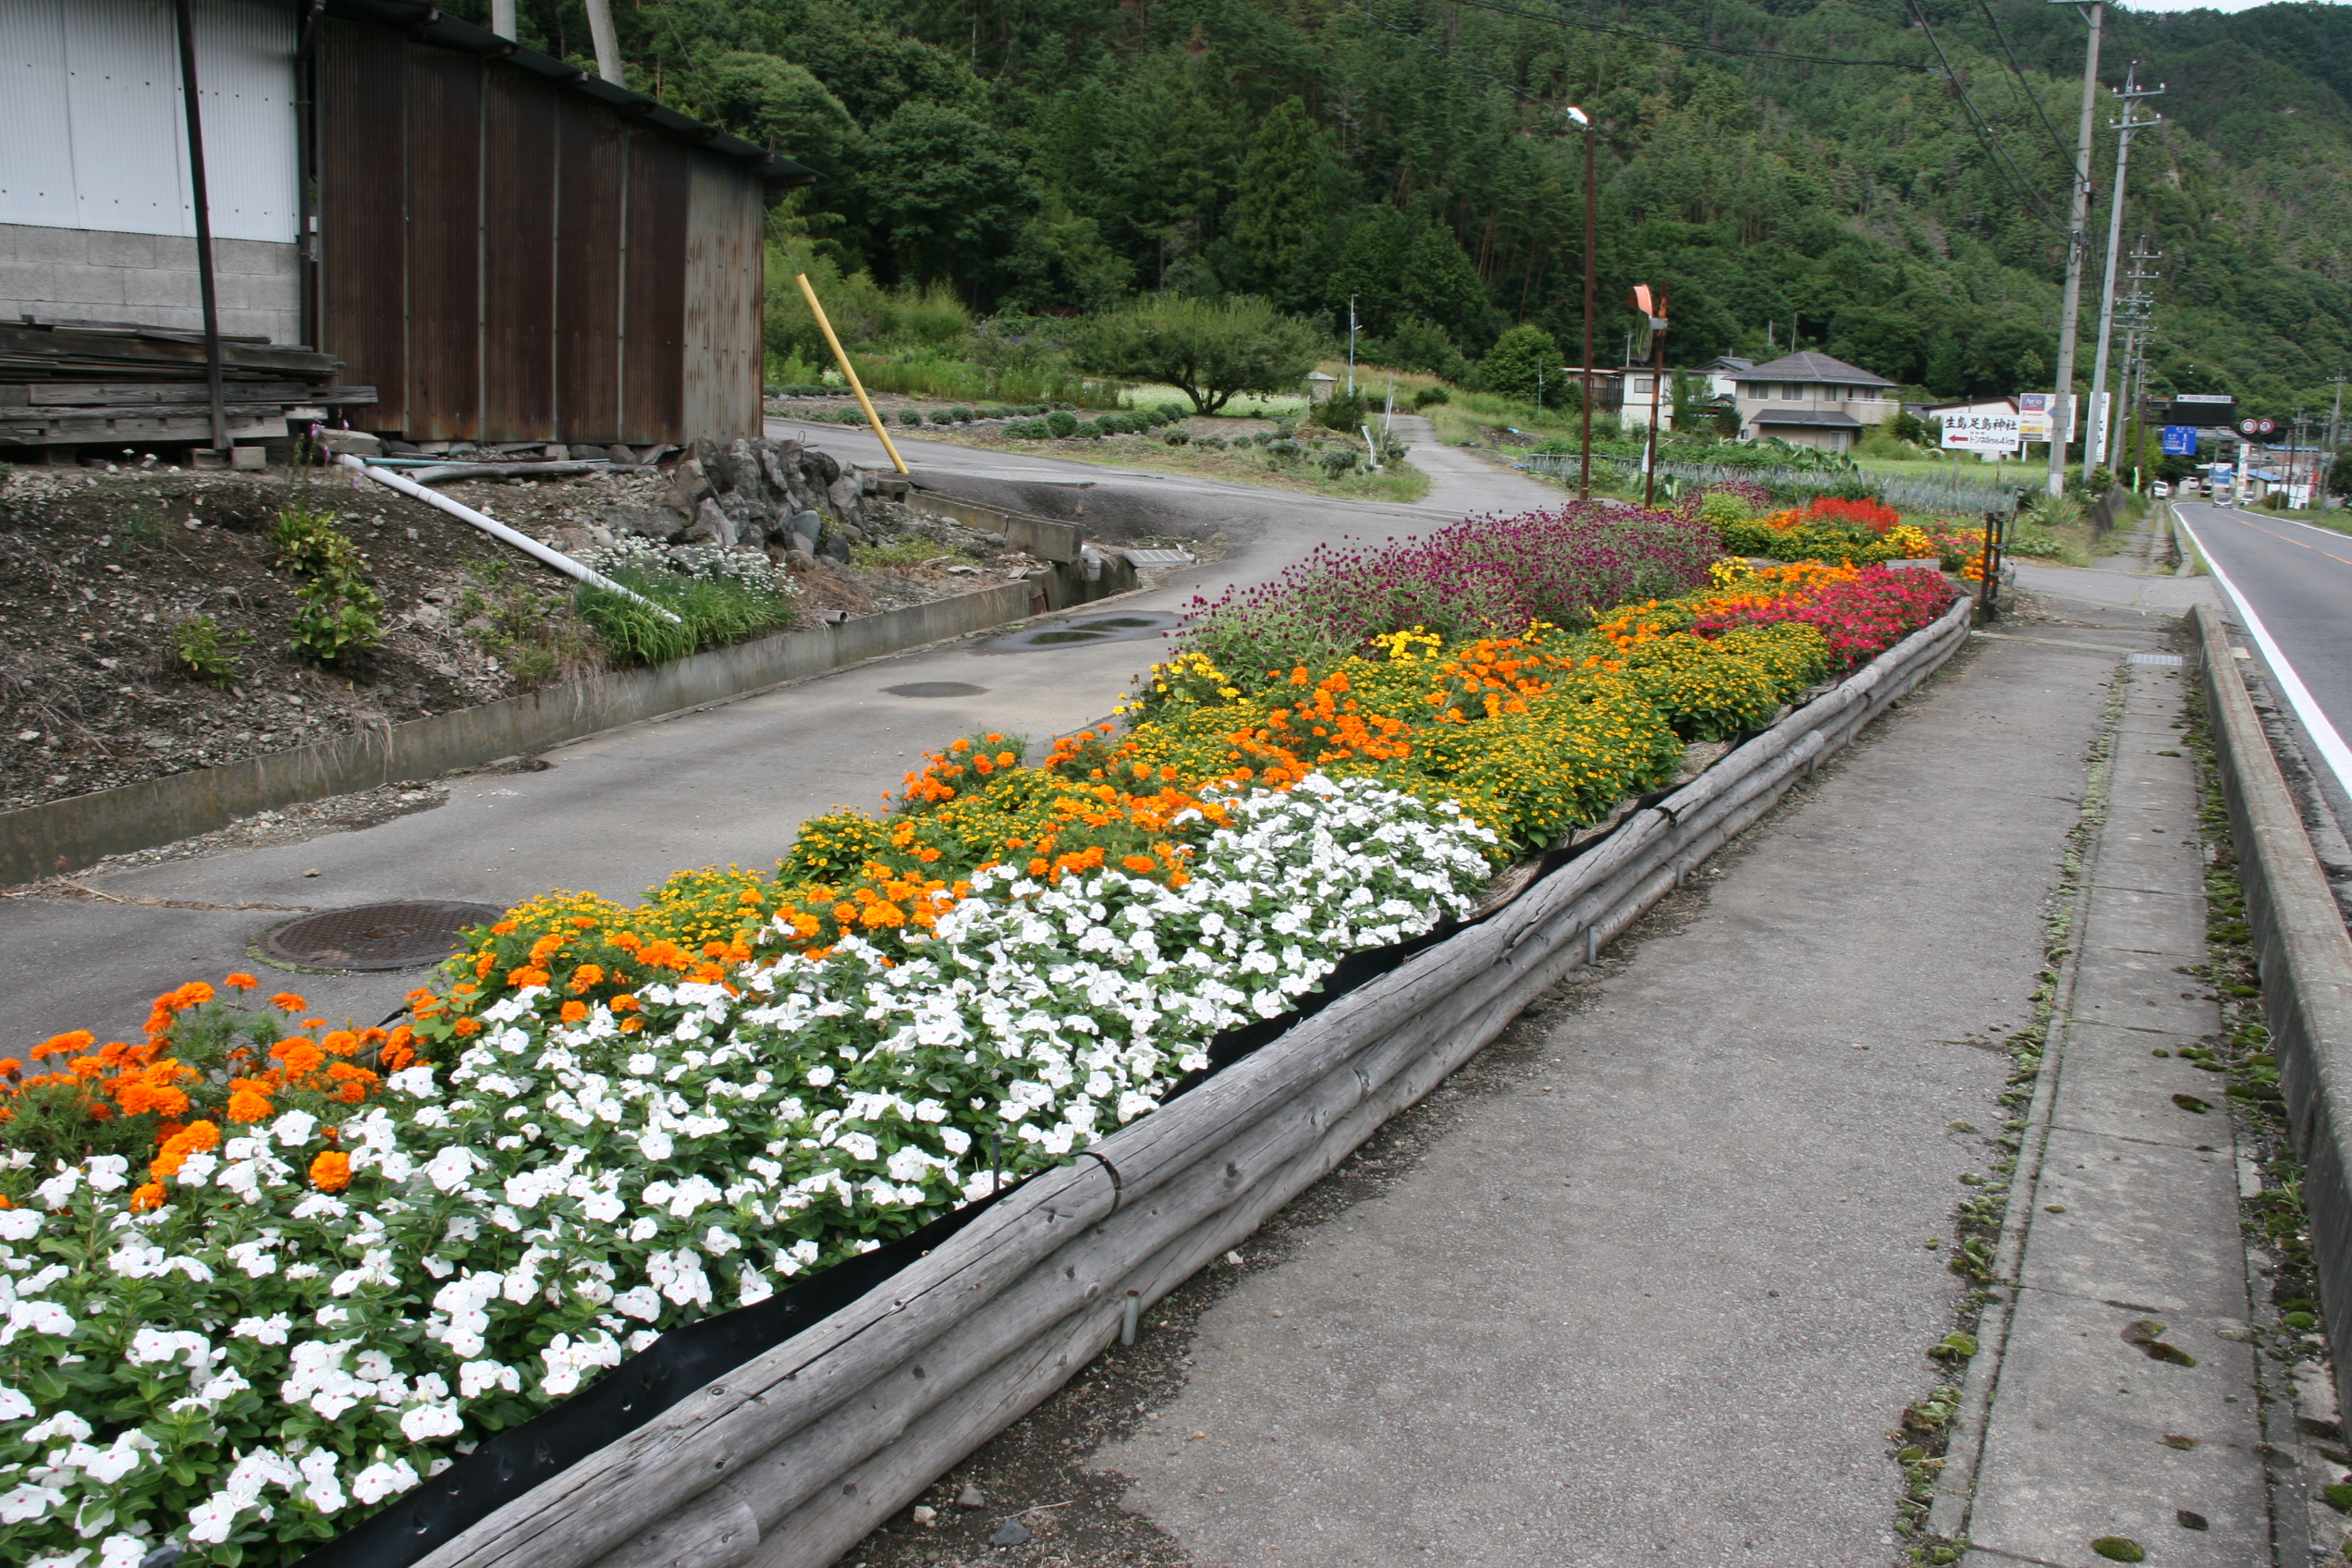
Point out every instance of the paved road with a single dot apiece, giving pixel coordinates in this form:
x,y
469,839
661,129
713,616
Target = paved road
x,y
2294,582
618,812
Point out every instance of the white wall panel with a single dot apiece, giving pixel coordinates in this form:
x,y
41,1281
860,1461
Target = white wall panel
x,y
92,135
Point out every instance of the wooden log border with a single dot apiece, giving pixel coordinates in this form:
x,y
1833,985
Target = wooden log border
x,y
792,1458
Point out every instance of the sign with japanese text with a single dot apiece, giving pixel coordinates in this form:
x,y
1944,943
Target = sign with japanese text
x,y
1994,432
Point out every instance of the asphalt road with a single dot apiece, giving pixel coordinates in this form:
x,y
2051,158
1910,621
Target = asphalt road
x,y
2292,584
619,811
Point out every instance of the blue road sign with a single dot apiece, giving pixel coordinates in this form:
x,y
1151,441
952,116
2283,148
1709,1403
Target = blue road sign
x,y
2180,440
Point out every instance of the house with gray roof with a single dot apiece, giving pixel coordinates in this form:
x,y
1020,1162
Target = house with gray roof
x,y
1811,399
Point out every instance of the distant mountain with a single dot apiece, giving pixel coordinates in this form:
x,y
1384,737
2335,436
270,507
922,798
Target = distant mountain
x,y
1873,178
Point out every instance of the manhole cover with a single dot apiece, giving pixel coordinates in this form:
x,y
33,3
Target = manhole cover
x,y
936,689
398,935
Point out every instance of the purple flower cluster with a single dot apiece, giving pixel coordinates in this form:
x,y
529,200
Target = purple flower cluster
x,y
1479,575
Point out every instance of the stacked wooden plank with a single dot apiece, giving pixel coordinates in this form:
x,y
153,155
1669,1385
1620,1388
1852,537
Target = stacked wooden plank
x,y
67,384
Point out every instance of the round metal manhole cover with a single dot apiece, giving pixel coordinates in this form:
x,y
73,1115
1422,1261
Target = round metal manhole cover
x,y
395,935
936,689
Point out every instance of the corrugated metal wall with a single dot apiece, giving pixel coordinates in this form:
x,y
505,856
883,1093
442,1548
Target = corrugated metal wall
x,y
91,131
504,260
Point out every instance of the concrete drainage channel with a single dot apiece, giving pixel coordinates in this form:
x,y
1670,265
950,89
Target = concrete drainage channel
x,y
792,1455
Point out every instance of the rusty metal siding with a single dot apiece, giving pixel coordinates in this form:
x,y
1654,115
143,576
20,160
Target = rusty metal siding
x,y
588,272
724,221
363,213
654,323
444,246
518,260
506,260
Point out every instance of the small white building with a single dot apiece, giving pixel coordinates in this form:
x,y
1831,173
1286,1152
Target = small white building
x,y
1811,399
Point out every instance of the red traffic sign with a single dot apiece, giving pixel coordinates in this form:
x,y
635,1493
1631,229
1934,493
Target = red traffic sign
x,y
2256,426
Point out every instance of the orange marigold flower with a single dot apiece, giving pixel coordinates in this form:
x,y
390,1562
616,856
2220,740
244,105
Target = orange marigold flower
x,y
67,1045
150,1196
10,1067
574,1012
1006,759
287,1001
504,928
626,941
248,1105
465,1026
301,1056
240,982
587,975
1140,863
340,1042
331,1172
623,1004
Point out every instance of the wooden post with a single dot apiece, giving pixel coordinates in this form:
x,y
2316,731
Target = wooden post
x,y
841,356
203,221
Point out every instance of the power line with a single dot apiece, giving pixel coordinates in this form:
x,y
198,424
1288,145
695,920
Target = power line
x,y
1982,127
2019,72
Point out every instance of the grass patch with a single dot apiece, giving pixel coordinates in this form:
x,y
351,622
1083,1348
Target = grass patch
x,y
711,613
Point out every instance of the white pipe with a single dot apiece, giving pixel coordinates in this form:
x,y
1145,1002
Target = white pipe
x,y
497,530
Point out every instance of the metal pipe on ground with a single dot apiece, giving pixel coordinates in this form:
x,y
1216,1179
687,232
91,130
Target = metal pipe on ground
x,y
497,530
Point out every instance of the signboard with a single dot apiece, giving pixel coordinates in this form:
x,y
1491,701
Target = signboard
x,y
2256,426
2180,440
1980,433
2203,409
2033,416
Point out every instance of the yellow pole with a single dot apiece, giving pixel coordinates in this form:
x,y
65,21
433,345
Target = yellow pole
x,y
851,371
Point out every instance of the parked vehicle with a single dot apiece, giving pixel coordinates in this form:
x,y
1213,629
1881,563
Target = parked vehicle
x,y
2160,490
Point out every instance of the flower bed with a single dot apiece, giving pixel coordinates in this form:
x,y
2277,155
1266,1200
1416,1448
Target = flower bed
x,y
309,1267
1861,532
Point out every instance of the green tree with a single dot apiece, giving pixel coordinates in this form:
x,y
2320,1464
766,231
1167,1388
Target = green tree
x,y
1061,260
1440,284
1279,203
782,107
1510,365
947,197
1208,350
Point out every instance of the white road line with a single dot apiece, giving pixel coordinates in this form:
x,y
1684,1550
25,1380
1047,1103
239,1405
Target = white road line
x,y
2315,723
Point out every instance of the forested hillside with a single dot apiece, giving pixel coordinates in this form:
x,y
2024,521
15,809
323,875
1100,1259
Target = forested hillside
x,y
1784,167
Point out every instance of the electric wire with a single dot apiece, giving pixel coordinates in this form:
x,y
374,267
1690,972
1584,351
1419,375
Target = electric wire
x,y
1620,30
2000,33
1978,122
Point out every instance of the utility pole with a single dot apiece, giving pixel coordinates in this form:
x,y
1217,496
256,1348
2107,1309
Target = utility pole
x,y
608,43
2134,310
1584,471
2078,213
2095,441
1350,345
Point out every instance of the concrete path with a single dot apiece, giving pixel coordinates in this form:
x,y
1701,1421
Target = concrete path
x,y
618,812
1654,1285
2131,1229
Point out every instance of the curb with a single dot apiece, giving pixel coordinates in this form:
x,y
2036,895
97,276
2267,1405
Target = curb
x,y
2304,958
796,1454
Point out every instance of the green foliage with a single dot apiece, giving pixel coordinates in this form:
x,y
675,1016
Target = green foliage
x,y
200,648
711,611
1341,411
538,637
1208,350
336,612
1430,396
1511,366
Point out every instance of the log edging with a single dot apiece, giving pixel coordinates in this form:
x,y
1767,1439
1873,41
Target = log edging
x,y
794,1457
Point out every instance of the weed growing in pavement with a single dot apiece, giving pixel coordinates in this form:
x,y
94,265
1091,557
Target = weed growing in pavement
x,y
1978,1221
200,648
711,612
2277,1229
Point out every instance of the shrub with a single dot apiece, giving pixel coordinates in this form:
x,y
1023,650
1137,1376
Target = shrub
x,y
1339,411
1429,394
201,649
910,416
711,612
1512,365
1062,422
335,616
1340,461
1214,442
1719,509
1176,438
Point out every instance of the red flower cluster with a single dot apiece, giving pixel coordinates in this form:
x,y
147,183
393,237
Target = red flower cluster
x,y
1861,618
1876,516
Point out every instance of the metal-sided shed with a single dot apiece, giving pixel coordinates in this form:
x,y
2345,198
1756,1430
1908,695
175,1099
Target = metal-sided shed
x,y
505,247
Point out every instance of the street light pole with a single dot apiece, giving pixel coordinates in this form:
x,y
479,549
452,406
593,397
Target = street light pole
x,y
2070,314
1350,345
1584,472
